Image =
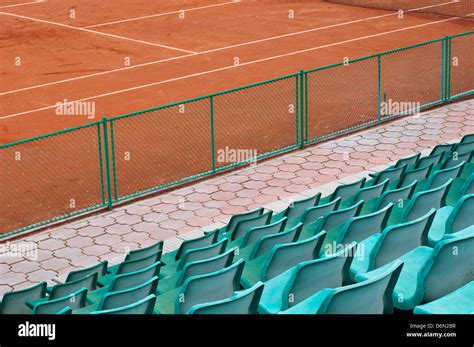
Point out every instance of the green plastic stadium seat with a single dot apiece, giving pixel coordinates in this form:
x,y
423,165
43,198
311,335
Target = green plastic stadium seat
x,y
130,266
304,280
395,241
122,298
194,254
196,268
464,147
455,158
15,302
64,289
312,214
236,218
395,196
369,297
199,242
461,301
409,176
356,229
392,174
266,243
256,233
143,306
201,289
331,220
73,301
442,148
242,302
430,273
450,220
66,310
459,188
100,268
467,138
408,160
366,193
125,281
440,177
430,160
279,259
138,254
296,208
244,226
344,191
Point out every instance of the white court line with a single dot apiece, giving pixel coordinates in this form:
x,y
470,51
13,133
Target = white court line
x,y
162,14
212,50
233,66
24,3
96,32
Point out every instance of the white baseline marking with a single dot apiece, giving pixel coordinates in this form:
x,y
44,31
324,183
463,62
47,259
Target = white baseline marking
x,y
211,51
24,3
161,14
234,66
96,32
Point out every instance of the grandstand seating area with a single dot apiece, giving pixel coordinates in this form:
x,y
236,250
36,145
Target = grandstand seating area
x,y
401,240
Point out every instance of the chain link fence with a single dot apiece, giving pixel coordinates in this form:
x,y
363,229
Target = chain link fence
x,y
63,174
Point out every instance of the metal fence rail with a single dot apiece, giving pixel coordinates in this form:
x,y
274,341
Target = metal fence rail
x,y
66,173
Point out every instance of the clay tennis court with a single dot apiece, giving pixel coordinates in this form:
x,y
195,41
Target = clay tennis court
x,y
127,56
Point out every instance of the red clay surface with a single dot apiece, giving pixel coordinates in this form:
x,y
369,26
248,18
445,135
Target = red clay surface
x,y
173,59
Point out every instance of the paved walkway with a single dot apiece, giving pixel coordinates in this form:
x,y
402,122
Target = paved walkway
x,y
184,213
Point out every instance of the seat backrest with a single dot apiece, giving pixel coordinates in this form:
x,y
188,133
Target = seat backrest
x,y
467,138
408,160
242,302
335,218
373,296
138,264
133,279
143,306
359,228
14,302
347,190
417,174
457,158
128,296
396,240
199,242
296,208
391,174
371,192
145,252
395,196
424,201
206,266
236,218
210,287
254,234
100,268
468,186
430,160
464,147
266,243
442,148
61,290
309,277
313,213
441,176
452,267
207,252
285,256
462,215
244,226
74,301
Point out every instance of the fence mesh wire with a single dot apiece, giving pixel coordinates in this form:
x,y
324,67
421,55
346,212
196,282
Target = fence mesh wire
x,y
253,121
461,65
49,177
411,78
342,97
162,146
463,8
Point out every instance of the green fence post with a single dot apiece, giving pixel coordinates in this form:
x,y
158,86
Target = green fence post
x,y
101,164
447,87
379,86
107,163
302,108
213,149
